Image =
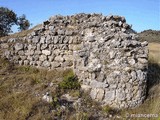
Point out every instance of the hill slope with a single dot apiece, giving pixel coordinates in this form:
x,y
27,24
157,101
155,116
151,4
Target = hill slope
x,y
150,36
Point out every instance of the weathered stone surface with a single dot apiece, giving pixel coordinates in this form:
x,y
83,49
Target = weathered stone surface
x,y
18,46
36,39
46,52
109,95
120,94
55,64
59,58
96,84
46,64
44,46
143,60
42,58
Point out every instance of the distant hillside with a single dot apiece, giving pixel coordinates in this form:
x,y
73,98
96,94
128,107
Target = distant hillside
x,y
150,36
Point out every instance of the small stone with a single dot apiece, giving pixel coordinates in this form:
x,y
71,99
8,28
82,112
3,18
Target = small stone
x,y
120,94
47,98
18,46
61,32
91,38
145,43
44,46
112,54
143,60
36,39
59,58
42,40
134,75
46,52
109,95
46,64
132,61
85,87
43,57
55,65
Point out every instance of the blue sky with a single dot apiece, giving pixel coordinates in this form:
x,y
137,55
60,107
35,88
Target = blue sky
x,y
142,14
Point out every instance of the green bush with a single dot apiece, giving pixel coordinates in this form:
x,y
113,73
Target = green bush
x,y
107,109
70,81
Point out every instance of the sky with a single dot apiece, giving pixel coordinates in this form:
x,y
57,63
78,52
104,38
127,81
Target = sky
x,y
141,14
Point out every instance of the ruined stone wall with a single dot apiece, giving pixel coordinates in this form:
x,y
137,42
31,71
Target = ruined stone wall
x,y
102,50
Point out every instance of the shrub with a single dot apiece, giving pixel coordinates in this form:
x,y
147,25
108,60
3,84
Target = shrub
x,y
70,81
107,109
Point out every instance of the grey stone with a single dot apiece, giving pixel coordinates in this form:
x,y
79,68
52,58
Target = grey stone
x,y
48,39
46,52
142,60
132,61
26,62
51,58
29,52
141,75
93,93
42,40
44,46
56,39
4,46
55,65
109,95
91,38
47,98
61,32
46,64
67,64
96,84
51,28
69,32
59,58
145,43
100,94
36,39
18,46
120,94
66,40
21,52
37,52
112,54
43,57
134,75
7,54
31,47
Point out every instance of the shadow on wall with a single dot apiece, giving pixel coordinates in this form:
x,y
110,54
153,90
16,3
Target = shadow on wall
x,y
153,75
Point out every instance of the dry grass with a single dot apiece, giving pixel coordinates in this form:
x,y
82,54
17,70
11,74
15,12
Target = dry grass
x,y
154,49
21,90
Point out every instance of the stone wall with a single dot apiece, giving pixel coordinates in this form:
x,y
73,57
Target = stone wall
x,y
102,50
